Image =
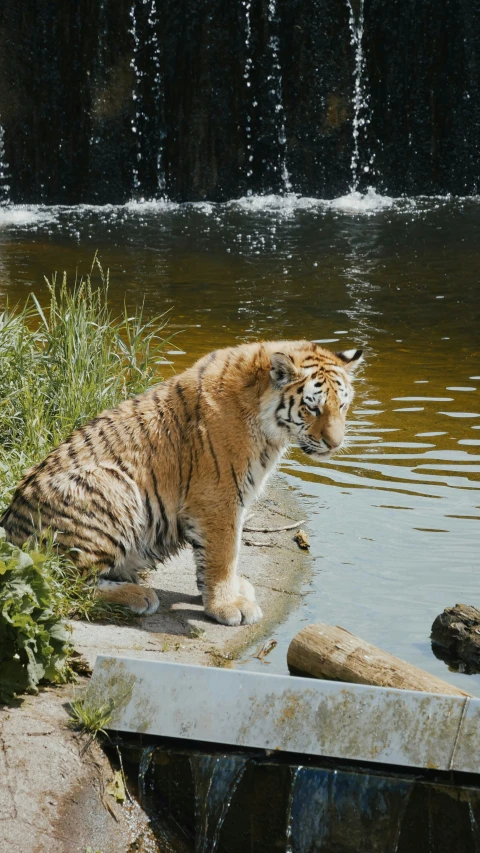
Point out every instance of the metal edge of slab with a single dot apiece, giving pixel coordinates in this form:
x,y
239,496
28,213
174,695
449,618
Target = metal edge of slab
x,y
289,713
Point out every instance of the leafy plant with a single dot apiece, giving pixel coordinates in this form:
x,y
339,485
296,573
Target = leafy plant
x,y
33,640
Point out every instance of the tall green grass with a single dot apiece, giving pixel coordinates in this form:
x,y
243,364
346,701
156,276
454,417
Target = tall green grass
x,y
59,366
62,364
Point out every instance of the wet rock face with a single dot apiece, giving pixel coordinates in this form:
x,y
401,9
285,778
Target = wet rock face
x,y
105,100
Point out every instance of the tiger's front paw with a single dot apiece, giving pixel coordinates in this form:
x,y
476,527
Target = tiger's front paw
x,y
246,589
242,611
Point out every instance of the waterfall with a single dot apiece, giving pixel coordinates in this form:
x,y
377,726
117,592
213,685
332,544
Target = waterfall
x,y
158,92
361,111
344,809
4,170
143,768
148,96
277,92
288,831
247,5
215,779
136,120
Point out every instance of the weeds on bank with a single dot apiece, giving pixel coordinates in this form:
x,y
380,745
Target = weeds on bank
x,y
59,366
91,716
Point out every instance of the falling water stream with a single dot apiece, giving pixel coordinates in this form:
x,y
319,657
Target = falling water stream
x,y
251,102
275,80
215,778
360,95
146,759
4,186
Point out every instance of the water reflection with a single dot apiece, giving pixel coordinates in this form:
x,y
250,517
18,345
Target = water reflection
x,y
394,518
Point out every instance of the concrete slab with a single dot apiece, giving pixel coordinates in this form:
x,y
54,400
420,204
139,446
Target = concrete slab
x,y
306,716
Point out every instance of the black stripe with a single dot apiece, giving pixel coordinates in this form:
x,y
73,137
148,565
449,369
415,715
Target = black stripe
x,y
223,373
240,496
189,475
111,450
143,426
177,423
290,407
116,476
264,457
55,513
88,441
162,417
181,395
96,552
161,505
109,514
149,510
28,523
17,526
214,455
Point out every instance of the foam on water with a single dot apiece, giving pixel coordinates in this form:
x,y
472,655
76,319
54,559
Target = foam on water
x,y
23,215
354,203
366,203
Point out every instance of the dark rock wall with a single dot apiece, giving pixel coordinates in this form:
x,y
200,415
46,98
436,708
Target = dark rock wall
x,y
104,100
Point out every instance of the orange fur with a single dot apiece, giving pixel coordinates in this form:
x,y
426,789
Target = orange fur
x,y
181,464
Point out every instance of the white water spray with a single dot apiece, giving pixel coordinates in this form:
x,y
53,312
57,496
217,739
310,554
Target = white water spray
x,y
4,170
361,113
277,91
135,124
158,90
247,5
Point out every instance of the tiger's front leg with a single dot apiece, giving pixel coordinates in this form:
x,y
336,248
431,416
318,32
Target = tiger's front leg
x,y
227,598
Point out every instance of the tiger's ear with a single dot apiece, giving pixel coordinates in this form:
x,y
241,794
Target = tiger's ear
x,y
351,358
282,370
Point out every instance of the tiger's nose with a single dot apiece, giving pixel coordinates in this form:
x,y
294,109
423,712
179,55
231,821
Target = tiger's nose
x,y
332,435
330,445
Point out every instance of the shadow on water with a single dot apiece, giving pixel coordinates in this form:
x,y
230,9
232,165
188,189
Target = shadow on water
x,y
213,802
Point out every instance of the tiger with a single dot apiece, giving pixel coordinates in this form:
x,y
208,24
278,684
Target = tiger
x,y
181,464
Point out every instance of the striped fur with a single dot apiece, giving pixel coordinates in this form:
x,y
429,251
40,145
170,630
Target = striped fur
x,y
181,464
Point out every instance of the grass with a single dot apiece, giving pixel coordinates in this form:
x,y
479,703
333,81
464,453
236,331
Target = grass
x,y
91,717
59,366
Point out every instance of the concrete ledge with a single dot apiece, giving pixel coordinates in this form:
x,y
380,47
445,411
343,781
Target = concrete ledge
x,y
276,712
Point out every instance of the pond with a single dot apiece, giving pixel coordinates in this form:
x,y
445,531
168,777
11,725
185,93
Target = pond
x,y
394,520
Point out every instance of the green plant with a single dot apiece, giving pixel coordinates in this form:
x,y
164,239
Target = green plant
x,y
33,640
91,715
59,366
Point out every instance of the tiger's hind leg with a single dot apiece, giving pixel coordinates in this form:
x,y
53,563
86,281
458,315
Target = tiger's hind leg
x,y
120,585
141,600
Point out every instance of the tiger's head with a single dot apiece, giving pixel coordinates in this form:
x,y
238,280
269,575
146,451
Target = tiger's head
x,y
309,395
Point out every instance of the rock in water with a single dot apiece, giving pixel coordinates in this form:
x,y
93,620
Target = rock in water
x,y
456,637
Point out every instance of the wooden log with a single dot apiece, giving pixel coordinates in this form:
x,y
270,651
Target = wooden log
x,y
456,637
325,651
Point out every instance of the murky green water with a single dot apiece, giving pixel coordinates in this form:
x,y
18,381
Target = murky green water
x,y
395,520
